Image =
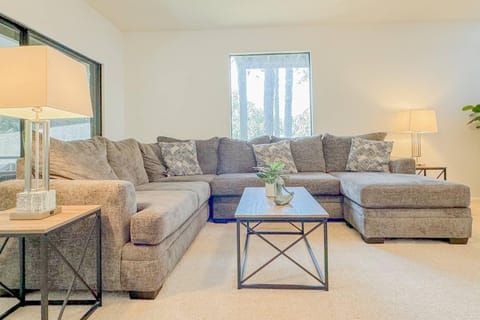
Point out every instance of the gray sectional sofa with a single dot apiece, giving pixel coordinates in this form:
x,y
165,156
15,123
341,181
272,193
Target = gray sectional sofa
x,y
150,218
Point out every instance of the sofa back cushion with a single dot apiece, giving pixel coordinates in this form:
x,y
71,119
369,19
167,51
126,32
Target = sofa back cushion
x,y
236,156
307,153
336,149
207,152
127,161
80,160
154,167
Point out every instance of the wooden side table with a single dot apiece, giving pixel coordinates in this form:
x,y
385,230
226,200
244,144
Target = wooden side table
x,y
42,229
440,171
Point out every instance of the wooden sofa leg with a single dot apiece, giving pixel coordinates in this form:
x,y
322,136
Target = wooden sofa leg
x,y
144,295
458,240
373,240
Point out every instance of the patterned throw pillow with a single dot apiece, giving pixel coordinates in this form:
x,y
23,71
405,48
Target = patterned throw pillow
x,y
369,155
278,151
181,158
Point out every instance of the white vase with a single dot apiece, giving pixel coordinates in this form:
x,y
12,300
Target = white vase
x,y
270,189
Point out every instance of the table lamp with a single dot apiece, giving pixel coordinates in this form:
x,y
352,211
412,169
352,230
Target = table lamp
x,y
417,122
39,83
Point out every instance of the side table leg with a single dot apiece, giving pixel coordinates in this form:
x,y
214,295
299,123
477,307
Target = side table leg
x,y
21,245
325,252
239,267
99,257
44,277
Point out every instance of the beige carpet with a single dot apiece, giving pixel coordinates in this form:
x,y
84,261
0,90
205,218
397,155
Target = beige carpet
x,y
402,279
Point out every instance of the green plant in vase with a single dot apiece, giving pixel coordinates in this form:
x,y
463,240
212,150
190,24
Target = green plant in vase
x,y
273,175
270,174
474,115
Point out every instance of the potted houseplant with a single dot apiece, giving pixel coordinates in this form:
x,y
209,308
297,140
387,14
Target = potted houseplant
x,y
269,175
474,115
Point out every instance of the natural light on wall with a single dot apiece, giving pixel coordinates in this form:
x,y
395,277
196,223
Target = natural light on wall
x,y
270,94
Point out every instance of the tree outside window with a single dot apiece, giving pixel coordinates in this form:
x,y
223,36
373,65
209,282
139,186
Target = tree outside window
x,y
270,95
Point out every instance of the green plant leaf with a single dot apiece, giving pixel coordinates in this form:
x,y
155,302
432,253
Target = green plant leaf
x,y
476,109
469,107
474,119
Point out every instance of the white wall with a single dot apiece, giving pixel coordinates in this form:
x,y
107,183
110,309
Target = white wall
x,y
76,25
177,83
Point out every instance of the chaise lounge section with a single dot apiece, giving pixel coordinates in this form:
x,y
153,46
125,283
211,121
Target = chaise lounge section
x,y
381,205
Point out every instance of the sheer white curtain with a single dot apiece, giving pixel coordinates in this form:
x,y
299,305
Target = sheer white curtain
x,y
270,94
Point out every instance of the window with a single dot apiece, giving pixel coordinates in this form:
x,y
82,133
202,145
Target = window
x,y
11,146
270,94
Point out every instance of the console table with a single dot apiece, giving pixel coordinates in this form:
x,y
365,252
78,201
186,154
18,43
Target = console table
x,y
42,229
440,171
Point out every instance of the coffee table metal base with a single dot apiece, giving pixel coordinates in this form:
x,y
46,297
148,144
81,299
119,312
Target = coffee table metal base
x,y
251,227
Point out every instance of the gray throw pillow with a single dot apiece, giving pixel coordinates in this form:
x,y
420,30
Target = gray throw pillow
x,y
278,151
154,167
207,152
307,153
181,158
336,149
236,156
369,155
80,160
127,161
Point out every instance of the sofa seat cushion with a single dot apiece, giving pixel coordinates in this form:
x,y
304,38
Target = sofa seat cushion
x,y
160,214
197,177
199,189
388,190
317,183
233,184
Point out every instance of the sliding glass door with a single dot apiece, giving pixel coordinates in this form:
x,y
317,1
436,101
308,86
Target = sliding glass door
x,y
10,130
14,34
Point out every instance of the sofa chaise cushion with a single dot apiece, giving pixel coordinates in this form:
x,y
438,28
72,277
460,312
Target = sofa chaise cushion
x,y
317,183
337,149
207,152
387,190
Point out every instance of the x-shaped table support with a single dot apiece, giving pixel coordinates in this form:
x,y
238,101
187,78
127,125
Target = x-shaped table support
x,y
320,277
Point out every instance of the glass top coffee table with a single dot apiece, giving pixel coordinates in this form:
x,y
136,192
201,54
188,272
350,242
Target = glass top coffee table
x,y
255,209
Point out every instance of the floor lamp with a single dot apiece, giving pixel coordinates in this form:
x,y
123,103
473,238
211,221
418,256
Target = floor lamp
x,y
417,122
39,83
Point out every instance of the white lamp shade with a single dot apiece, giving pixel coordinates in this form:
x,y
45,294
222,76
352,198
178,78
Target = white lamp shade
x,y
417,120
40,76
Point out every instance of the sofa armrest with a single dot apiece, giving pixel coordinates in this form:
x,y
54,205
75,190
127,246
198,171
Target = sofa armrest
x,y
147,227
403,165
116,197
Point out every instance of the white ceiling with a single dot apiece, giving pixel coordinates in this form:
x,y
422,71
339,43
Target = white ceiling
x,y
152,15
